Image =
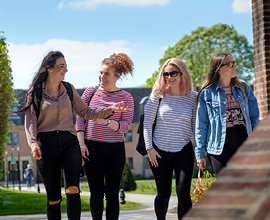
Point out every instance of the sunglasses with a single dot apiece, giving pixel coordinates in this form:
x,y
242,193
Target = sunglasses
x,y
111,60
230,64
172,74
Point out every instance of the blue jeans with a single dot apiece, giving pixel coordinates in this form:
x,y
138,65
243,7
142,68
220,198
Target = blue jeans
x,y
29,181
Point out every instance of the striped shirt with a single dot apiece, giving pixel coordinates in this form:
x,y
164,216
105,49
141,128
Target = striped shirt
x,y
176,118
100,132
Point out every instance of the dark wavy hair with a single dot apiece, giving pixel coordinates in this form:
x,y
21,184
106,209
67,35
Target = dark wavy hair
x,y
40,76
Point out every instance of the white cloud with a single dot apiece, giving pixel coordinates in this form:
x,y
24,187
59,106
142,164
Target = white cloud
x,y
85,4
242,6
83,59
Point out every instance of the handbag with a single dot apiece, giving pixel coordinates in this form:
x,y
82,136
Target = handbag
x,y
140,147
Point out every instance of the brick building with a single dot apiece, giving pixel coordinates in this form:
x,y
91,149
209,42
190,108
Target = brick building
x,y
242,189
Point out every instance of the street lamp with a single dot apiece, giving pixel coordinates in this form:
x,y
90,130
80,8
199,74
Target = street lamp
x,y
7,167
12,169
18,149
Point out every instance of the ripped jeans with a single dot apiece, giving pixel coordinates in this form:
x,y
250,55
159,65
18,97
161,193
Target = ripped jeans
x,y
60,152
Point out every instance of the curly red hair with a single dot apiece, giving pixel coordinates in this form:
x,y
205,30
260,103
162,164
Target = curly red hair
x,y
123,64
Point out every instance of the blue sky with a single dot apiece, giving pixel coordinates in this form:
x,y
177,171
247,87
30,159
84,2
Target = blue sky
x,y
87,31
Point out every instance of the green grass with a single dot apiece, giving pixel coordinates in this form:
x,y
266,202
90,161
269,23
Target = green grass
x,y
143,187
14,202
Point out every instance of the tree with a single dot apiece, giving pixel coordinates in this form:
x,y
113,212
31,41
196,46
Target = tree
x,y
6,97
197,49
129,179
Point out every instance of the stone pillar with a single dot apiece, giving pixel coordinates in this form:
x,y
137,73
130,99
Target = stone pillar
x,y
261,42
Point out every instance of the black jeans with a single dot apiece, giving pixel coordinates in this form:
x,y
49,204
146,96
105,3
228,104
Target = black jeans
x,y
106,160
60,151
235,136
182,163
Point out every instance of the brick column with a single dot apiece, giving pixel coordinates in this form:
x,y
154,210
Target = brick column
x,y
261,42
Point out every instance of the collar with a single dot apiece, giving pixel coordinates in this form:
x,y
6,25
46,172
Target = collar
x,y
217,85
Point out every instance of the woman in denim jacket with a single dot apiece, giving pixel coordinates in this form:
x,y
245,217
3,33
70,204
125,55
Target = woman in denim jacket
x,y
227,112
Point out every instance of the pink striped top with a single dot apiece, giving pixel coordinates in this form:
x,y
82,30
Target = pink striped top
x,y
100,132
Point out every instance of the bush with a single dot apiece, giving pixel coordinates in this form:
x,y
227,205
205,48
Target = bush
x,y
199,187
129,179
141,177
209,169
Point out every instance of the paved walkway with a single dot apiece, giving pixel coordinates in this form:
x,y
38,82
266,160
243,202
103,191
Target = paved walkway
x,y
147,212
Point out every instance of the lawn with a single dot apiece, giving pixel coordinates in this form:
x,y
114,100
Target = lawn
x,y
146,187
14,202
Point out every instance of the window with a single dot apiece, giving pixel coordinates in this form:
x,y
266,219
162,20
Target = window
x,y
16,138
9,139
129,134
130,162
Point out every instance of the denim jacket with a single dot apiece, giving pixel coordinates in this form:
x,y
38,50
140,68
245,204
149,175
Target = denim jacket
x,y
210,129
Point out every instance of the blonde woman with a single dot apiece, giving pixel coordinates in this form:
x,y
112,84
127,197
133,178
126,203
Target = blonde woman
x,y
227,113
170,148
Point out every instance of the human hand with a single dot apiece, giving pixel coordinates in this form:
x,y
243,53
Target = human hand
x,y
152,155
201,163
36,153
120,107
84,151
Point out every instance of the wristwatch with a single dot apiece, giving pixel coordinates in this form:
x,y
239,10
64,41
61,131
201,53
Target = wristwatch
x,y
108,122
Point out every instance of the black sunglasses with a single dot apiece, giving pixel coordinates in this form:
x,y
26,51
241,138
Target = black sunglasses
x,y
111,60
230,64
172,74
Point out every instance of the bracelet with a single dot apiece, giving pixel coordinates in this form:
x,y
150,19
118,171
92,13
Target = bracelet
x,y
149,149
108,122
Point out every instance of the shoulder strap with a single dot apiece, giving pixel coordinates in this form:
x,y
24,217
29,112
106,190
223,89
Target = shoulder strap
x,y
38,92
157,109
93,93
69,90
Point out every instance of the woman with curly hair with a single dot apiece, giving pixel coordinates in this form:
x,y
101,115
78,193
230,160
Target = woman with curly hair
x,y
102,140
172,103
227,112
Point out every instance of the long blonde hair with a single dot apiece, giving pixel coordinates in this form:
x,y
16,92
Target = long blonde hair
x,y
185,83
213,75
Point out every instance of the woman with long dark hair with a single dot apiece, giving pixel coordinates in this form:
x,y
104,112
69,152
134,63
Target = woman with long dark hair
x,y
51,134
227,112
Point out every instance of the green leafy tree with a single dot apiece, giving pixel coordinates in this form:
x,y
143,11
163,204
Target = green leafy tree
x,y
197,49
129,179
6,97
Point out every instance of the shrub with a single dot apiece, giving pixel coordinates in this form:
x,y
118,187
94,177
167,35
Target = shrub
x,y
200,187
129,179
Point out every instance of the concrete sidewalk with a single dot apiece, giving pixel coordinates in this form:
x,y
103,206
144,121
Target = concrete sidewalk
x,y
147,212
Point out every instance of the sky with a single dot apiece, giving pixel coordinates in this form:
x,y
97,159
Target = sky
x,y
87,31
